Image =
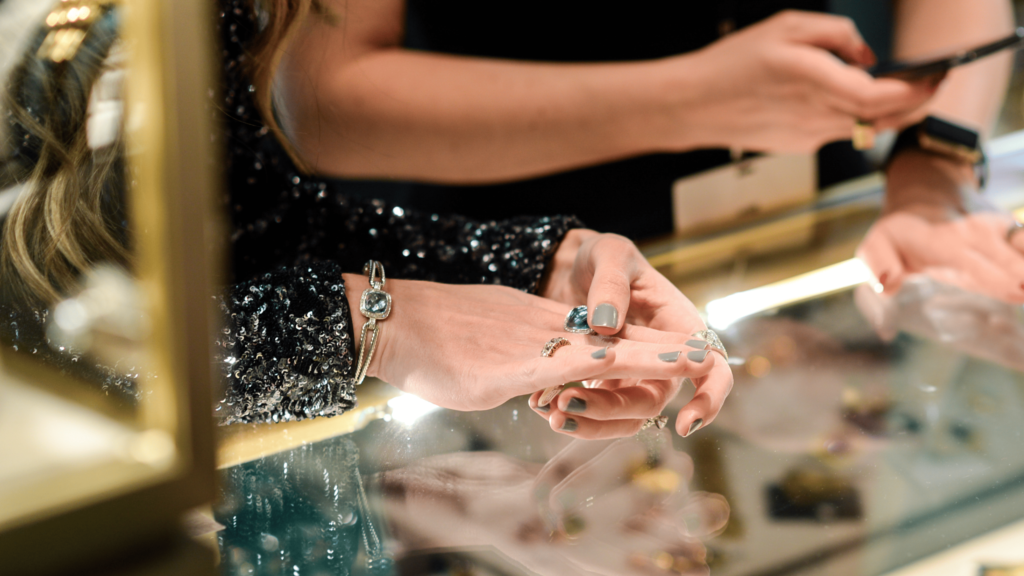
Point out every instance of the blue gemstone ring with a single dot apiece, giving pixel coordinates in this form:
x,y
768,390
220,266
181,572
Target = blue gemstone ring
x,y
576,321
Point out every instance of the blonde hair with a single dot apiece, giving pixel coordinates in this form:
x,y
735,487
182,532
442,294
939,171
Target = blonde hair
x,y
69,216
282,19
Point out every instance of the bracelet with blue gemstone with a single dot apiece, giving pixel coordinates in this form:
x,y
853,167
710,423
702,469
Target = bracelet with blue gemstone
x,y
375,304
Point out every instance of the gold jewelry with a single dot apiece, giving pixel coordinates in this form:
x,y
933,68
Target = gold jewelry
x,y
863,135
549,349
69,23
375,304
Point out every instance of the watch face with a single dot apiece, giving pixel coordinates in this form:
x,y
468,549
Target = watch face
x,y
375,304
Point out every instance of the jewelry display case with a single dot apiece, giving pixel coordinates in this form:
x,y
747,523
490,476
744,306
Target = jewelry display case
x,y
838,452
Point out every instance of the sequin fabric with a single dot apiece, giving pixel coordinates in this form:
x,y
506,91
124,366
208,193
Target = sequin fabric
x,y
288,347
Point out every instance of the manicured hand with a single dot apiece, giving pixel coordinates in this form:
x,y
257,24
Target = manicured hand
x,y
788,84
937,224
472,347
627,297
969,251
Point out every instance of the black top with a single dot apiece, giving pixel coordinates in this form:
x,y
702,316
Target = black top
x,y
631,197
287,348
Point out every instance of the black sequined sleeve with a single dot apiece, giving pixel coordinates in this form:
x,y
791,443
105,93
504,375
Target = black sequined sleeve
x,y
288,348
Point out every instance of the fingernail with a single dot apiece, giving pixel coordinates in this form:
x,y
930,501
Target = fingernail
x,y
695,426
697,355
576,405
605,315
699,344
545,408
570,425
599,354
669,356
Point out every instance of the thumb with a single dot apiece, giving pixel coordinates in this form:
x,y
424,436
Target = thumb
x,y
608,298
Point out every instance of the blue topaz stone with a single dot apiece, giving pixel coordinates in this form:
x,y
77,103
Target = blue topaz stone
x,y
576,321
375,304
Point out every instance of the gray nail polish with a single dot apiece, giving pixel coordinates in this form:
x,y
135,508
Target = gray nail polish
x,y
697,355
599,354
570,425
605,315
669,356
695,426
698,344
576,405
545,408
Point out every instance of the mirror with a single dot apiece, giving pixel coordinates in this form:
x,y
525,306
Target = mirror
x,y
106,192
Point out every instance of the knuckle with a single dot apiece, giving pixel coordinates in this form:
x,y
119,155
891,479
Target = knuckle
x,y
789,17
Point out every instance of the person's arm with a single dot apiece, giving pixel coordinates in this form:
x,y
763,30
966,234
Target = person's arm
x,y
357,104
935,220
971,95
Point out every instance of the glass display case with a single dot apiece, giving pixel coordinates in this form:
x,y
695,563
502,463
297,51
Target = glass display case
x,y
859,438
863,434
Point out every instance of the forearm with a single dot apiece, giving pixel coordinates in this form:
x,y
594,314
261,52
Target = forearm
x,y
970,94
408,115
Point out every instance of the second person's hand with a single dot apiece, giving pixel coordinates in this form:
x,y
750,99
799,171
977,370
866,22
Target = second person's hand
x,y
788,84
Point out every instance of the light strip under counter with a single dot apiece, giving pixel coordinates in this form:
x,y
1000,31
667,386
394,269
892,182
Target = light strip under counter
x,y
723,312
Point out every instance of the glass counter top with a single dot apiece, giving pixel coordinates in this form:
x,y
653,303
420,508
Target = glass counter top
x,y
838,452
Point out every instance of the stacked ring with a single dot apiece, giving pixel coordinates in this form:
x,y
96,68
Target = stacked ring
x,y
549,393
713,342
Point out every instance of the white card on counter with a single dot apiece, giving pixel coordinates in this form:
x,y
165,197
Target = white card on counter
x,y
743,188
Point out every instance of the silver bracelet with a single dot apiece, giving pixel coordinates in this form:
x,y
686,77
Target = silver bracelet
x,y
375,305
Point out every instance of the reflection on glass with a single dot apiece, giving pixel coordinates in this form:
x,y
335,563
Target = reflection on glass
x,y
598,507
67,299
837,451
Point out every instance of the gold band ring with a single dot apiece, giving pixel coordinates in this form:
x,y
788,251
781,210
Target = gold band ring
x,y
549,349
863,135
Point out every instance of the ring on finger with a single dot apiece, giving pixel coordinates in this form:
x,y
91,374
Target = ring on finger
x,y
576,321
659,421
713,342
863,135
1014,228
549,349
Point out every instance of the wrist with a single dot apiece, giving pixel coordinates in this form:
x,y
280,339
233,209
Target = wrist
x,y
920,178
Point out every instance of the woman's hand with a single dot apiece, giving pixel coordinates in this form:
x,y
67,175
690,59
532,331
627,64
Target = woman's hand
x,y
936,224
473,347
627,297
782,86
